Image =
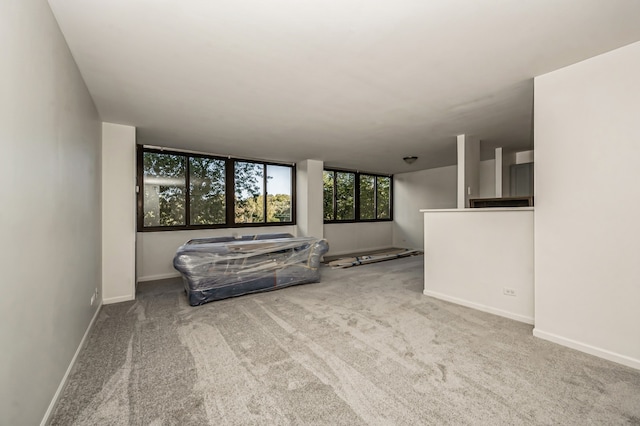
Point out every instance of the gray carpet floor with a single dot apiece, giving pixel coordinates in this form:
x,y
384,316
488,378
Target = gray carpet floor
x,y
364,346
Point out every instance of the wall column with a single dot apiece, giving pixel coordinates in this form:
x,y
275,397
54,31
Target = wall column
x,y
498,164
118,213
468,169
586,253
309,196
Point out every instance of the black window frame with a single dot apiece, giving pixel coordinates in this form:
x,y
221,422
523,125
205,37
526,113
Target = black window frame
x,y
356,197
229,191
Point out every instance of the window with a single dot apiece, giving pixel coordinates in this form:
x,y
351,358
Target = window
x,y
367,197
279,193
353,196
250,202
249,185
383,197
345,196
189,191
328,179
207,184
164,189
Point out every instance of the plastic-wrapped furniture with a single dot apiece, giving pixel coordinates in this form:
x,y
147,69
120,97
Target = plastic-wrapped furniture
x,y
218,268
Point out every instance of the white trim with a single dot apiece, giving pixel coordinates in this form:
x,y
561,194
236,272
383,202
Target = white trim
x,y
591,350
159,277
479,307
63,382
118,299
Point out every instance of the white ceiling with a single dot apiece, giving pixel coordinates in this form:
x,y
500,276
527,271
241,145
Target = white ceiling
x,y
356,83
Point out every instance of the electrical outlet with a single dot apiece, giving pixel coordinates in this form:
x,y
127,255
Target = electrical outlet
x,y
509,291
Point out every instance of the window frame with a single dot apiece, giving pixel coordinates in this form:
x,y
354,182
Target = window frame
x,y
356,197
230,207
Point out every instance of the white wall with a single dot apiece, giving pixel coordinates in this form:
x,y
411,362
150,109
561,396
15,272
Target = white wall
x,y
524,157
488,173
471,255
487,179
587,202
424,189
50,215
508,159
118,213
346,238
155,250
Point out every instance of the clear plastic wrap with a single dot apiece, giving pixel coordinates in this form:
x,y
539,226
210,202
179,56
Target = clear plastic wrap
x,y
218,268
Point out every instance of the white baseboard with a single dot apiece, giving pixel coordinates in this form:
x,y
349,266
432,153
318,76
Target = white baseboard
x,y
63,382
159,277
479,307
110,300
591,350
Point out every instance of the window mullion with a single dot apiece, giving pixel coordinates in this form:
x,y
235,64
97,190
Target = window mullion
x,y
375,197
335,195
264,193
187,191
230,206
140,186
390,198
293,193
356,196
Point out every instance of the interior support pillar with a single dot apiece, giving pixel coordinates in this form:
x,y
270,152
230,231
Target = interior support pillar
x,y
118,213
468,169
309,196
498,172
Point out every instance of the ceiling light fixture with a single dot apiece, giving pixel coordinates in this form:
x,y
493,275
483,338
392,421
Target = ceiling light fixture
x,y
410,159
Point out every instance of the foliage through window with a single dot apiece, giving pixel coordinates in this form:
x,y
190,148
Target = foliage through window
x,y
207,183
328,198
353,196
164,189
345,196
367,197
249,185
383,197
188,191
